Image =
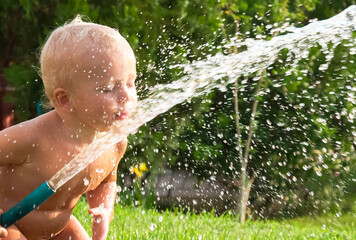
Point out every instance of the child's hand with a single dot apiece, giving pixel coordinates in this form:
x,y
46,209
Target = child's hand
x,y
101,221
3,232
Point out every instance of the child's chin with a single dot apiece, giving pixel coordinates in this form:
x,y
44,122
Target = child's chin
x,y
104,127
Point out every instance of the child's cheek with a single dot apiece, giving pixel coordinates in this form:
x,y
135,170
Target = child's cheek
x,y
108,101
104,98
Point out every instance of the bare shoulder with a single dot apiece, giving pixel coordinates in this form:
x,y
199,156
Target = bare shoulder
x,y
121,148
119,153
19,141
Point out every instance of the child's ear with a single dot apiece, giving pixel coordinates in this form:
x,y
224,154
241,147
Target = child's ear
x,y
61,100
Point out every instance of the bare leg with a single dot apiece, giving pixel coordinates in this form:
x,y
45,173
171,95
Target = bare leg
x,y
73,231
14,233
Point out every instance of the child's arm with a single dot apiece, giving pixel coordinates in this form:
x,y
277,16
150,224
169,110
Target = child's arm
x,y
14,145
102,199
101,202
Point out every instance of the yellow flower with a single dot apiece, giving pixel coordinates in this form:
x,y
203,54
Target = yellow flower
x,y
138,170
143,167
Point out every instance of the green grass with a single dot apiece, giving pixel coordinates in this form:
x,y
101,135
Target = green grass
x,y
139,223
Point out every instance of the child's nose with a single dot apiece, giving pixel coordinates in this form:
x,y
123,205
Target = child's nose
x,y
123,96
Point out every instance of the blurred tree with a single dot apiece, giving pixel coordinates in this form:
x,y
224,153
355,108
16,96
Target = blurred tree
x,y
264,18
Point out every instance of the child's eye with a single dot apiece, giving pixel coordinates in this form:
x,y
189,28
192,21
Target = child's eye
x,y
130,84
104,89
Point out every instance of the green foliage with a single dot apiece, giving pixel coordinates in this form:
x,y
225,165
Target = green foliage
x,y
306,132
26,91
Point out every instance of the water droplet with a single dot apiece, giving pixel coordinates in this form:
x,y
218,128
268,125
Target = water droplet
x,y
86,182
153,226
101,206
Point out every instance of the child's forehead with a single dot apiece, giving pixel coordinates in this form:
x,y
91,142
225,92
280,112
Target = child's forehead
x,y
105,65
95,56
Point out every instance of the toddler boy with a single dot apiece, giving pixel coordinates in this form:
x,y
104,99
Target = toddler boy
x,y
89,72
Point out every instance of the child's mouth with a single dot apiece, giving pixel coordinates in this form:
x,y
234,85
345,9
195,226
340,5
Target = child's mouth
x,y
121,116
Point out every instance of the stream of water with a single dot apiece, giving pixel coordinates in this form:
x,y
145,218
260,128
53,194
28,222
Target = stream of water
x,y
217,72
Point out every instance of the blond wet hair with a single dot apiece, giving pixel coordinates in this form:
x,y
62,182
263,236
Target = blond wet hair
x,y
66,46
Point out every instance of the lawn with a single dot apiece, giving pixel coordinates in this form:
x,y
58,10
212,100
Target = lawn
x,y
139,223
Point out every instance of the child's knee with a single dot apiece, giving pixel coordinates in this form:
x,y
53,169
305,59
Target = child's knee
x,y
74,230
14,233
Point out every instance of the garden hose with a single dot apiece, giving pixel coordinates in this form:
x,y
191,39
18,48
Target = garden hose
x,y
30,202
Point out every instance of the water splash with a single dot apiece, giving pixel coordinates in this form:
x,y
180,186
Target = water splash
x,y
217,72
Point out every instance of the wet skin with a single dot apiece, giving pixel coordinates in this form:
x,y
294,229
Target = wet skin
x,y
41,157
103,93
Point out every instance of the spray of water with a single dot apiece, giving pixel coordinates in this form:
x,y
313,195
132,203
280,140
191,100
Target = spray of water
x,y
217,72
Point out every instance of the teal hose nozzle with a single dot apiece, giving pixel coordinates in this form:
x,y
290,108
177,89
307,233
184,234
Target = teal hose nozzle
x,y
30,202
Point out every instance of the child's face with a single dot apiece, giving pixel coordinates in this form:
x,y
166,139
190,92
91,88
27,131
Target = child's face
x,y
104,91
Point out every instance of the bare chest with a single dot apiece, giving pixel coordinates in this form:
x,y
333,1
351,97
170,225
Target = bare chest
x,y
91,176
85,180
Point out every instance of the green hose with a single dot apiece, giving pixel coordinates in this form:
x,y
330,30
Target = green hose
x,y
30,202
